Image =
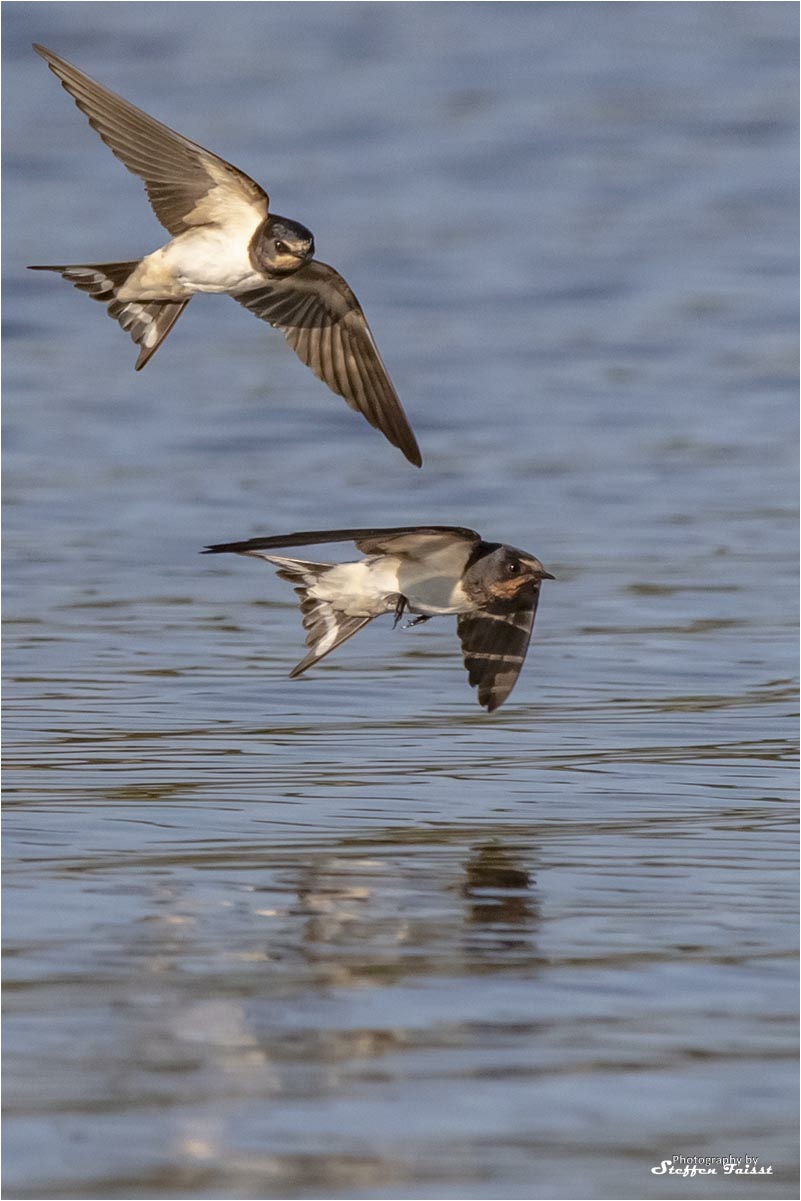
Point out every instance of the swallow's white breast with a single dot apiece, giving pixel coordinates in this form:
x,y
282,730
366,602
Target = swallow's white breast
x,y
207,259
359,589
371,587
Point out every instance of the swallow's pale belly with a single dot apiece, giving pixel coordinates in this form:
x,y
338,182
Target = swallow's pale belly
x,y
371,587
200,260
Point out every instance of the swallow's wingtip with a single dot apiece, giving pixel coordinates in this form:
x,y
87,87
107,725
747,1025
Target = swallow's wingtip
x,y
408,447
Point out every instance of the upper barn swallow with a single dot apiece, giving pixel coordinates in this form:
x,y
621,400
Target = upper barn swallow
x,y
427,570
224,239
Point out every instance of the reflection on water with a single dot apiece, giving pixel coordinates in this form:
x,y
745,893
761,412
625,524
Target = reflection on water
x,y
499,892
348,936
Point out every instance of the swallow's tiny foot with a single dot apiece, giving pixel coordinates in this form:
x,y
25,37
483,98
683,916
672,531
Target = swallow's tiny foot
x,y
400,609
416,621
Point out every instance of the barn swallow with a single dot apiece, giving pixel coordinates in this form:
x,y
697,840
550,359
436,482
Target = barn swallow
x,y
225,239
429,571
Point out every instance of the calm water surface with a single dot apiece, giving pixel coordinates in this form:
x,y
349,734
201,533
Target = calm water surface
x,y
350,937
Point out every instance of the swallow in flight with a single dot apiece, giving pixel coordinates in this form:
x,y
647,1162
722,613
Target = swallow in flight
x,y
429,571
225,239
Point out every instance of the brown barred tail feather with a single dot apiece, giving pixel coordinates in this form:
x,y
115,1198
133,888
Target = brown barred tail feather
x,y
326,627
147,321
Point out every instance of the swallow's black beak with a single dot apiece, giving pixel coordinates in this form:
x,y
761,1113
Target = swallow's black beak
x,y
546,575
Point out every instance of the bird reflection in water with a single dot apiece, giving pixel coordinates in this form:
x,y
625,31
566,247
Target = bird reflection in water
x,y
501,901
378,920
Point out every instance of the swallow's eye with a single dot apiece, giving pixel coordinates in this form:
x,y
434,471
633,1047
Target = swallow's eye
x,y
281,247
512,567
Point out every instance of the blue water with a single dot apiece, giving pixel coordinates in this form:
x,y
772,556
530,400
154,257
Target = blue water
x,y
349,936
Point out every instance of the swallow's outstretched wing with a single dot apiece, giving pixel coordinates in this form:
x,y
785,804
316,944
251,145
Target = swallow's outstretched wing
x,y
187,185
410,540
324,324
494,644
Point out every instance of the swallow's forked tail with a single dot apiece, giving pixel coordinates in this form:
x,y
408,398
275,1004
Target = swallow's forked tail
x,y
326,626
147,321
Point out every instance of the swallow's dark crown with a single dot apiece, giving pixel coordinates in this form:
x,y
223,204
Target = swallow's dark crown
x,y
489,548
288,230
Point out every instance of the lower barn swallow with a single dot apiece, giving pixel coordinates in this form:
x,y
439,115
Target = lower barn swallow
x,y
429,571
224,239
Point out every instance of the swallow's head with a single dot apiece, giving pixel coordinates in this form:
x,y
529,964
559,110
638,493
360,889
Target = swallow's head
x,y
281,246
504,570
